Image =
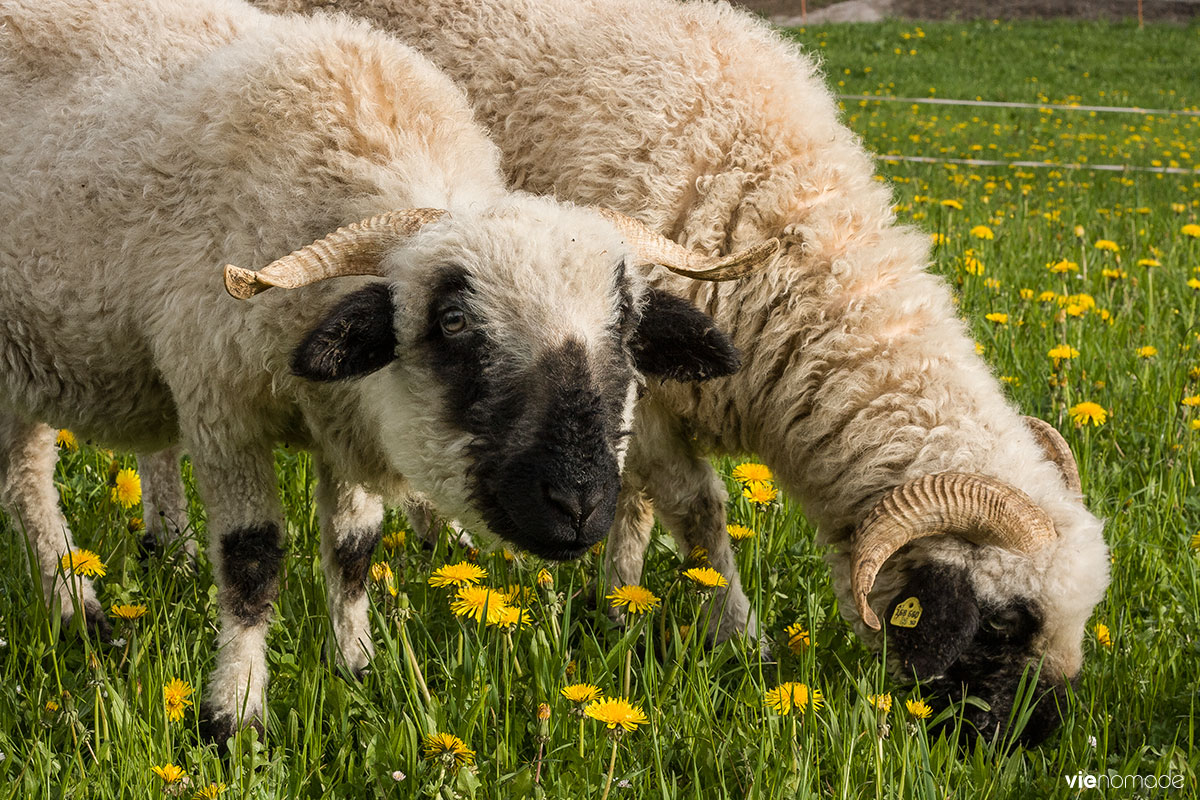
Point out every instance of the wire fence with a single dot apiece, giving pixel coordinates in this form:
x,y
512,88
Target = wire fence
x,y
984,162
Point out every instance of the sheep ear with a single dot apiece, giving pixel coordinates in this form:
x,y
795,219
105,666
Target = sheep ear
x,y
678,341
356,338
932,619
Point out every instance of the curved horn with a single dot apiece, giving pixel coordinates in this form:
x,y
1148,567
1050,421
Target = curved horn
x,y
1055,448
980,509
653,248
353,250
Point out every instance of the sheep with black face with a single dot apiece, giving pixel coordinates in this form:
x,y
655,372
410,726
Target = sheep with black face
x,y
861,389
492,361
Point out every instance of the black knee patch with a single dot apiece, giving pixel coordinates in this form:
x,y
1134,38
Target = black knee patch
x,y
216,726
250,558
352,556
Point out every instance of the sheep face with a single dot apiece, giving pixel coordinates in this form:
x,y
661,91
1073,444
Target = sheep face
x,y
505,353
978,621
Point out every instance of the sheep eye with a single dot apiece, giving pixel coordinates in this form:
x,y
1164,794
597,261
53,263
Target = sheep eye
x,y
453,320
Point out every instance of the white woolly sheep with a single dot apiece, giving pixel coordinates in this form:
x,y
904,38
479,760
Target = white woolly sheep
x,y
859,381
494,367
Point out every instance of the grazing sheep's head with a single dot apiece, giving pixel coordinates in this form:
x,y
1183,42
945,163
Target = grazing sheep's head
x,y
997,601
501,357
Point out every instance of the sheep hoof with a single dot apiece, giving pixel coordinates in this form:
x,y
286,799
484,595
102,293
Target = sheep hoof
x,y
218,727
96,622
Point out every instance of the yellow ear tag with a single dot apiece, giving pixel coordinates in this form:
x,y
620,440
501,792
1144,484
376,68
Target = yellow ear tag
x,y
907,614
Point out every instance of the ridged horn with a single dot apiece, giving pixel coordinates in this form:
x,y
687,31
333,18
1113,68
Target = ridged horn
x,y
1055,448
980,509
654,248
355,249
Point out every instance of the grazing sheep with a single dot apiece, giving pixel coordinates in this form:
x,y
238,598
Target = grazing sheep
x,y
494,367
859,381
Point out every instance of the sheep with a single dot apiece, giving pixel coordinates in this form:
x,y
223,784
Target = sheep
x,y
491,362
860,389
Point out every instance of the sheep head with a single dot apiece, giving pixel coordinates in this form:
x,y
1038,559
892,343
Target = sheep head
x,y
500,356
966,631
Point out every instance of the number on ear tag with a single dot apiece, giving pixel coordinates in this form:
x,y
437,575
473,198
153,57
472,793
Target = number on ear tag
x,y
907,614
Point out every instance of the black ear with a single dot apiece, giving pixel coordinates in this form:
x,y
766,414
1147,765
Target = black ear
x,y
678,341
932,619
355,338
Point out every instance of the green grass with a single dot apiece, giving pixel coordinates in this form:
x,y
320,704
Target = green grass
x,y
709,734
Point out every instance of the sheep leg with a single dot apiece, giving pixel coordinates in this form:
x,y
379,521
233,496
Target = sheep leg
x,y
246,549
163,501
629,537
693,509
426,524
351,526
27,459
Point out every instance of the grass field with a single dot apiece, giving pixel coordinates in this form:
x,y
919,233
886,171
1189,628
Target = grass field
x,y
1023,245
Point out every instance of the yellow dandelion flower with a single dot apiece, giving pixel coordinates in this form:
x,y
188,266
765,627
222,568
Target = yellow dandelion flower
x,y
449,749
581,692
760,493
543,711
1063,352
1191,229
1083,413
698,554
739,532
982,232
394,541
545,579
1079,232
66,440
1062,265
176,696
1193,283
129,611
1148,351
1015,380
51,707
510,616
1048,297
993,284
881,701
170,773
381,572
460,574
474,601
1107,244
1194,542
1026,294
955,204
1114,274
1191,400
787,696
973,265
979,349
1148,262
210,792
127,491
1103,637
1194,425
938,238
616,712
635,599
706,577
997,317
918,708
798,637
749,473
83,562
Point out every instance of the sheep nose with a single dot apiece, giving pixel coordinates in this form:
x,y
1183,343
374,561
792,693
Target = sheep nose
x,y
577,503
